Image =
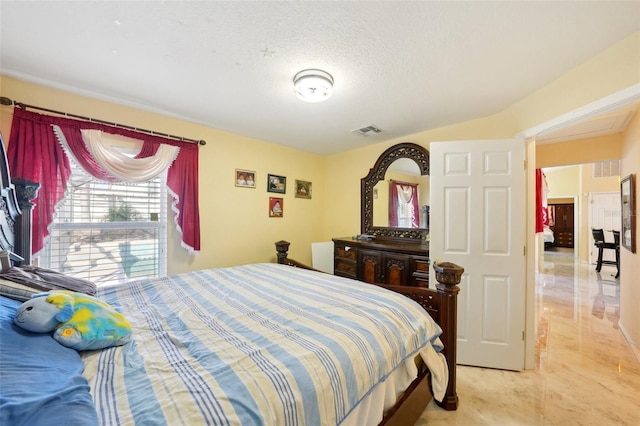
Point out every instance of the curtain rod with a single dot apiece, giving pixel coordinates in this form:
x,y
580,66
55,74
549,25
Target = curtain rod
x,y
6,101
400,181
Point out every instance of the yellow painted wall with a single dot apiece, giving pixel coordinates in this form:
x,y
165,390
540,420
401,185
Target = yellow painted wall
x,y
579,151
630,262
563,181
615,69
235,226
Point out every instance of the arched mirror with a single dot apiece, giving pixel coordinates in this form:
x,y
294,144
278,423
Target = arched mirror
x,y
407,166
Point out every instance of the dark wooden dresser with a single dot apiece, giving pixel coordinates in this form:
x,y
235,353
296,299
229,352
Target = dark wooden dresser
x,y
563,228
382,261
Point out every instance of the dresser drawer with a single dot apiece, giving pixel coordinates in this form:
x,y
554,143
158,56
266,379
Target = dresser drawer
x,y
346,252
420,264
345,268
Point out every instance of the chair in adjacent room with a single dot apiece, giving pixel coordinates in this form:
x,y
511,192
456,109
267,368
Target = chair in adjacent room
x,y
616,241
601,244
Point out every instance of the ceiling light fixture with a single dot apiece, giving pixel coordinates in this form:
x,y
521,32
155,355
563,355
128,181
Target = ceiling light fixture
x,y
313,85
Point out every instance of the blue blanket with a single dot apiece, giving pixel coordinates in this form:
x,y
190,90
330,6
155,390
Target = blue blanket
x,y
41,381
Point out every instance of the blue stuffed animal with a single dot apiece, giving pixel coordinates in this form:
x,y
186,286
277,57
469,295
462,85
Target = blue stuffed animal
x,y
80,321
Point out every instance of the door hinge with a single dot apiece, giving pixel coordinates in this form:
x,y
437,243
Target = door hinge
x,y
523,335
525,164
524,250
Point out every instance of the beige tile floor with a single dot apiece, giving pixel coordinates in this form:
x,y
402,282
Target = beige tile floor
x,y
586,374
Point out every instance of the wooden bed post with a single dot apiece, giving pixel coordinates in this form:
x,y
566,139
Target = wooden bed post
x,y
282,247
26,192
448,276
442,305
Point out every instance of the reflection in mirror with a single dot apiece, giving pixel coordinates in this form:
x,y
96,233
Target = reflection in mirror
x,y
401,170
375,186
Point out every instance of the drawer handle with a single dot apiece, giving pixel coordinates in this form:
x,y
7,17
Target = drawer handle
x,y
347,248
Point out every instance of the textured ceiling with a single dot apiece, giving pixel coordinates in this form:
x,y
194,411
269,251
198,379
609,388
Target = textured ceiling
x,y
403,67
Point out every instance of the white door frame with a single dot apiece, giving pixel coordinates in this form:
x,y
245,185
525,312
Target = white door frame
x,y
609,103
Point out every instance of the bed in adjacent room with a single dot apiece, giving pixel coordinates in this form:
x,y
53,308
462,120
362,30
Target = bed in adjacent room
x,y
266,344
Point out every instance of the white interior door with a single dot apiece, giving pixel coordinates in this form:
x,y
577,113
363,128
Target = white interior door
x,y
604,213
478,222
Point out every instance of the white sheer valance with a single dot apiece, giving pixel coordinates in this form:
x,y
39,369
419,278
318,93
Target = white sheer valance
x,y
405,192
403,205
122,166
41,147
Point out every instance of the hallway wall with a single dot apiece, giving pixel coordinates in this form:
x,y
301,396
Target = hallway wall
x,y
630,262
573,152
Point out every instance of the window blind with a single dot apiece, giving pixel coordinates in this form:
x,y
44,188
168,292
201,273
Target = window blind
x,y
109,232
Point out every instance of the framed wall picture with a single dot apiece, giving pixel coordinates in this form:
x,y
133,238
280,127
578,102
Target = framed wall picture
x,y
276,207
245,178
628,231
277,184
303,189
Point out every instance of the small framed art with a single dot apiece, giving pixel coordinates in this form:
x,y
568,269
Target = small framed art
x,y
628,232
245,178
277,184
303,189
276,207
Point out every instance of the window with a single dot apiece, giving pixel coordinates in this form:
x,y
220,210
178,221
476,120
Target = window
x,y
405,214
109,232
403,205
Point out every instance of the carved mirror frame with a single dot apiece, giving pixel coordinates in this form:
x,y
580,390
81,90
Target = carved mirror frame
x,y
376,174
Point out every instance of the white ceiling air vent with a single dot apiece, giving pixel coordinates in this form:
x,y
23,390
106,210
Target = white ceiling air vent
x,y
607,168
366,131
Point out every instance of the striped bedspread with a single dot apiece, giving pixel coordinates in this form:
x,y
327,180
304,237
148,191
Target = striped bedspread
x,y
261,344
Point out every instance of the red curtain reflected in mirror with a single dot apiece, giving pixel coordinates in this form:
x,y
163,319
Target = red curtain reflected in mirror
x,y
403,205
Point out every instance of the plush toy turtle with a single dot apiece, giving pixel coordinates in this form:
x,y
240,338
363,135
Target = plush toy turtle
x,y
80,321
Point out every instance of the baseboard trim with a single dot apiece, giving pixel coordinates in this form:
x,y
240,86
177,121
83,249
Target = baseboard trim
x,y
627,337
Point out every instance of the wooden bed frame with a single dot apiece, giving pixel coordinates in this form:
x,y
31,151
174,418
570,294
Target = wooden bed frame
x,y
15,248
15,214
441,304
